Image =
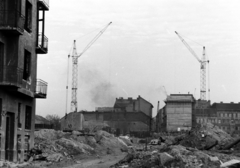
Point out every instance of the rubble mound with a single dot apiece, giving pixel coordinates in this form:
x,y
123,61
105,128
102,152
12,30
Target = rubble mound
x,y
49,134
93,126
74,147
109,144
174,156
206,137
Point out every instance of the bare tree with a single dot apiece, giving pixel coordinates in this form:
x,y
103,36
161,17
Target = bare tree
x,y
54,120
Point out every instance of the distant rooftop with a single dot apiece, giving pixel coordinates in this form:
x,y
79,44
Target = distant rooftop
x,y
180,98
226,106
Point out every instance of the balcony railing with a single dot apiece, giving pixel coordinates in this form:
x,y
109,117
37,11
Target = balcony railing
x,y
42,46
12,20
11,76
41,89
44,4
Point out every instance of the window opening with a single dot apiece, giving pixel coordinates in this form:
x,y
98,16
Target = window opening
x,y
28,117
27,65
28,16
0,113
19,115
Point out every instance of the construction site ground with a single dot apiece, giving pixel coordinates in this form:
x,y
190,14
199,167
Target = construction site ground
x,y
202,147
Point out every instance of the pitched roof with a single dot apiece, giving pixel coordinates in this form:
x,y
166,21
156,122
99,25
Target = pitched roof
x,y
41,120
145,100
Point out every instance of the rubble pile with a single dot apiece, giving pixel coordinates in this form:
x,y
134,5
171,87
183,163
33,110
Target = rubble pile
x,y
205,137
93,126
202,147
109,144
53,145
174,156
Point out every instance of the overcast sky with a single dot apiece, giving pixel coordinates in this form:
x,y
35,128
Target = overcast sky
x,y
139,52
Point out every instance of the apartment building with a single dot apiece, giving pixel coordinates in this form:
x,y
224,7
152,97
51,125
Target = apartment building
x,y
224,115
22,37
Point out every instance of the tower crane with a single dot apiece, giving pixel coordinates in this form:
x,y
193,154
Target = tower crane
x,y
202,62
75,57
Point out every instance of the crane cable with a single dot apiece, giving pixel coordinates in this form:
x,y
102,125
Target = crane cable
x,y
192,40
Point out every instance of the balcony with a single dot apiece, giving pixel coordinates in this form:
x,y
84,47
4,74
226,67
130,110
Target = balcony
x,y
12,21
43,5
41,89
42,46
11,76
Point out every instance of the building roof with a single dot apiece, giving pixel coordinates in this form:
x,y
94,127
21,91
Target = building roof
x,y
121,103
41,120
226,106
104,109
180,98
139,97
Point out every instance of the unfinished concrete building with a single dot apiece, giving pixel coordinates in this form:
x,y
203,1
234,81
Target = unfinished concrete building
x,y
178,111
21,39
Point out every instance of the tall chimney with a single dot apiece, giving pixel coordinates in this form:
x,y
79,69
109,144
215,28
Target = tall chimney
x,y
158,107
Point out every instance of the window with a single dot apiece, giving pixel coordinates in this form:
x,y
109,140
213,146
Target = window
x,y
27,65
0,112
1,58
19,115
28,16
28,117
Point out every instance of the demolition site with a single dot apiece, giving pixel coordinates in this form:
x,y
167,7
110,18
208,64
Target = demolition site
x,y
186,132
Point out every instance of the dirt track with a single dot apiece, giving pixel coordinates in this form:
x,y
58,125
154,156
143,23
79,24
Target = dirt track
x,y
102,162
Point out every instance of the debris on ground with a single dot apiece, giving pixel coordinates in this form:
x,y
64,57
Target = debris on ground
x,y
202,147
205,137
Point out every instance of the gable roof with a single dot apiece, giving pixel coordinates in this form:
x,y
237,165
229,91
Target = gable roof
x,y
145,100
41,120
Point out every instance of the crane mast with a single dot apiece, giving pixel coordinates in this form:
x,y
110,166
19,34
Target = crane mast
x,y
203,77
202,68
74,78
75,56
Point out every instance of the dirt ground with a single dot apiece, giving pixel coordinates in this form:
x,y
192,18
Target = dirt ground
x,y
99,162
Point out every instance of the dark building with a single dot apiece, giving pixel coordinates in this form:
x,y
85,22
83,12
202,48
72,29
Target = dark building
x,y
22,37
161,120
134,105
126,117
122,122
42,123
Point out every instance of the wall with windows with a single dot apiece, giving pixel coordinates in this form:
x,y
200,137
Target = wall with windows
x,y
27,44
17,103
227,120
